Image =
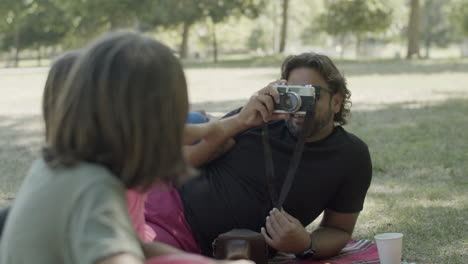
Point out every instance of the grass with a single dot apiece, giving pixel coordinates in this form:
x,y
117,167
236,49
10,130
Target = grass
x,y
27,63
413,117
419,185
420,178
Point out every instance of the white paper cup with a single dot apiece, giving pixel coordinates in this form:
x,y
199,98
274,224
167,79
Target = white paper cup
x,y
389,247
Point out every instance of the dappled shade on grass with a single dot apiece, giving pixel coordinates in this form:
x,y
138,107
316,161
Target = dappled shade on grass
x,y
419,185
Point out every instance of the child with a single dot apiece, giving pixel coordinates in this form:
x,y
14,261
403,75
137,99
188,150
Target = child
x,y
136,198
117,125
55,81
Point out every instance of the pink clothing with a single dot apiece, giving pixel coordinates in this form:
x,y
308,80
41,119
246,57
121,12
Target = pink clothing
x,y
136,210
164,213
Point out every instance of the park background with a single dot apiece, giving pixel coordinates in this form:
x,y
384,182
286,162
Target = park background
x,y
405,62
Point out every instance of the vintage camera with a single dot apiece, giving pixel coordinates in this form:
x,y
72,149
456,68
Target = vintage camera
x,y
295,98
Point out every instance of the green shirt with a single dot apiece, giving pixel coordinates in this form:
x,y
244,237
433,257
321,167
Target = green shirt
x,y
68,215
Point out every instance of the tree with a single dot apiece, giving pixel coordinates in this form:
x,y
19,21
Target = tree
x,y
284,26
91,18
257,39
219,10
459,17
14,13
185,13
414,29
32,24
357,17
436,27
173,14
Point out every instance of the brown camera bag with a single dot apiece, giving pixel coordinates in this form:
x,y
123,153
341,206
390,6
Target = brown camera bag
x,y
241,244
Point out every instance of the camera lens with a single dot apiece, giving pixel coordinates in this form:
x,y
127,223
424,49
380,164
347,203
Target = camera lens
x,y
290,102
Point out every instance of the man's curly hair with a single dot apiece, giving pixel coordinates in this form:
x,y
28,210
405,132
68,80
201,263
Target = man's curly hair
x,y
323,65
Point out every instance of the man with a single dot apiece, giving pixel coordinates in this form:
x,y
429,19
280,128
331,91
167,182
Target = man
x,y
333,176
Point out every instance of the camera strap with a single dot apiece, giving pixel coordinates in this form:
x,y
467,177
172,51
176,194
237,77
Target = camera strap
x,y
276,201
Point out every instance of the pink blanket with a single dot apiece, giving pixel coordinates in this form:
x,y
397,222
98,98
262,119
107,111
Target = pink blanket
x,y
355,252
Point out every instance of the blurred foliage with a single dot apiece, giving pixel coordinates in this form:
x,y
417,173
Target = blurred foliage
x,y
459,16
356,17
436,27
31,24
257,39
219,10
197,28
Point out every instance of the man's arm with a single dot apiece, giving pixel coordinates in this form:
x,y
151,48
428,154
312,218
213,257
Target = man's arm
x,y
285,233
257,110
333,234
215,143
204,152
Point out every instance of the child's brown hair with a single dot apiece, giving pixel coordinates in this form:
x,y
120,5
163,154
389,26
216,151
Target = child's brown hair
x,y
124,106
54,84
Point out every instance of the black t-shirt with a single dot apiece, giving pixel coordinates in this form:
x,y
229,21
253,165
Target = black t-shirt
x,y
230,192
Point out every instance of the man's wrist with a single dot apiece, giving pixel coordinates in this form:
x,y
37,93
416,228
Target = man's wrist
x,y
309,251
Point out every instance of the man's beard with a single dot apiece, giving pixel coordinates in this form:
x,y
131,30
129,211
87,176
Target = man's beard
x,y
317,124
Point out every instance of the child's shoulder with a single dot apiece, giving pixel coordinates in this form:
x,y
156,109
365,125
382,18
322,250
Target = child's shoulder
x,y
73,180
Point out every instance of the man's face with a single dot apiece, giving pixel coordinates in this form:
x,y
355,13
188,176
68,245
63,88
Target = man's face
x,y
325,108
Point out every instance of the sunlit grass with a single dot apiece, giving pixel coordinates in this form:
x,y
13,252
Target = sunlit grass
x,y
420,179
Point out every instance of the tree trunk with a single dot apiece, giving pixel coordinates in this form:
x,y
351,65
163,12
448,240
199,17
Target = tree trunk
x,y
17,46
137,24
284,26
427,44
39,56
358,45
414,30
185,38
464,47
17,51
275,28
113,26
215,45
342,44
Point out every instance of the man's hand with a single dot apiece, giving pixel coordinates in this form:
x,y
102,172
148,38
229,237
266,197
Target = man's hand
x,y
260,107
285,233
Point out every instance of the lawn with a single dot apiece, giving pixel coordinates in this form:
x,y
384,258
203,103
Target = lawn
x,y
420,181
413,116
